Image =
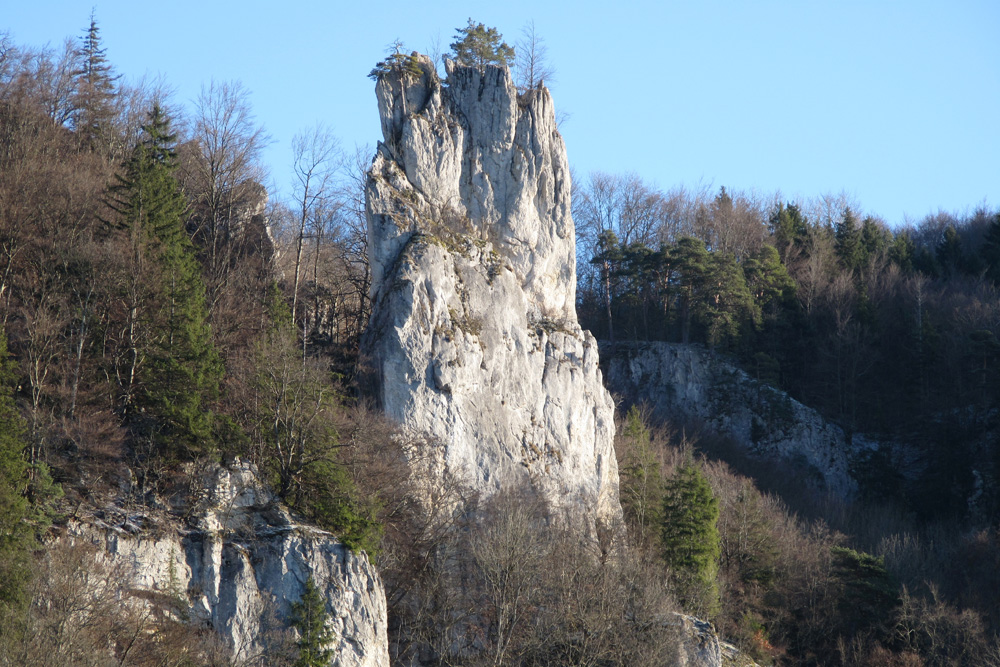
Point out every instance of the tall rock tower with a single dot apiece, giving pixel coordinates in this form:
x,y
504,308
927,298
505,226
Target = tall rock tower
x,y
474,338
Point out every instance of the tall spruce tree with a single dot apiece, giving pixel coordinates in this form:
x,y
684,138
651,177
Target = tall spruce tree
x,y
641,480
94,80
847,241
874,238
690,537
789,227
180,369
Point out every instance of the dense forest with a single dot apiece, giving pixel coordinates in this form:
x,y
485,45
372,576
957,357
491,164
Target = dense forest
x,y
157,310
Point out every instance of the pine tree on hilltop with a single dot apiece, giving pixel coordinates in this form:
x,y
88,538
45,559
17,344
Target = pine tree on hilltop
x,y
176,368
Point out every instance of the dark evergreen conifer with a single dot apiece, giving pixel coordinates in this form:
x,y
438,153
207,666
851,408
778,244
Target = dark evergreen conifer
x,y
95,89
990,250
182,370
847,241
874,238
949,252
768,278
902,251
691,261
641,480
690,536
867,592
16,534
789,227
309,617
727,303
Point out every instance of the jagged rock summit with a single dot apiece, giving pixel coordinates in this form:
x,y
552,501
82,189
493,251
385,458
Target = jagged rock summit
x,y
474,338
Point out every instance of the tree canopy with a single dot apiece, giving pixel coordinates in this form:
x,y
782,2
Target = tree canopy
x,y
478,46
397,62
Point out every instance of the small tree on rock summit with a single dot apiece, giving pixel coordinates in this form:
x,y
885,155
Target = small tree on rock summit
x,y
397,62
478,46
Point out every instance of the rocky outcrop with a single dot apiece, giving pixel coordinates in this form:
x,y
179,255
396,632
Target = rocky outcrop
x,y
238,562
700,646
687,383
474,339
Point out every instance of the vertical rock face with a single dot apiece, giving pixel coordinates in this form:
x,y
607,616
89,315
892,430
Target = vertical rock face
x,y
474,336
239,562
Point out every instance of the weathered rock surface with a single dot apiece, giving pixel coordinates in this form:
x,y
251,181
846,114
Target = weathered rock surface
x,y
238,563
474,338
687,383
700,645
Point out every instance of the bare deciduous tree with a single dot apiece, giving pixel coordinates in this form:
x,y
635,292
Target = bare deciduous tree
x,y
531,65
223,177
508,554
132,103
41,80
316,159
732,224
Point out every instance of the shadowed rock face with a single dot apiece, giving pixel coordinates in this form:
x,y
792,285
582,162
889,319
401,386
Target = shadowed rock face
x,y
474,337
687,383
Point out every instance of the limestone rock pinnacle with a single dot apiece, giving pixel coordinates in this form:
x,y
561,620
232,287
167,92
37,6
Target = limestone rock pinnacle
x,y
474,337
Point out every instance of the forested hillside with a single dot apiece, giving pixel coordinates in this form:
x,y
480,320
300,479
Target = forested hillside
x,y
160,311
891,332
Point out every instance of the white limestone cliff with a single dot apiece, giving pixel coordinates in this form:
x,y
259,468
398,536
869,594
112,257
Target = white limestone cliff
x,y
238,562
474,340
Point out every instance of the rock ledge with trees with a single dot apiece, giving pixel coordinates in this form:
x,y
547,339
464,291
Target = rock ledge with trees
x,y
228,556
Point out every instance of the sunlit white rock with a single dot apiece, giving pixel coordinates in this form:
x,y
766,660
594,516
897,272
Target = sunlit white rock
x,y
474,337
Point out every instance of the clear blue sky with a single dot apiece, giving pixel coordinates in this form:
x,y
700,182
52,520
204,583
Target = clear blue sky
x,y
895,103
